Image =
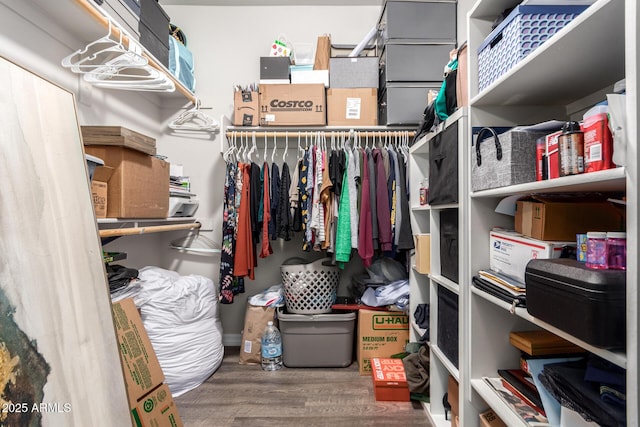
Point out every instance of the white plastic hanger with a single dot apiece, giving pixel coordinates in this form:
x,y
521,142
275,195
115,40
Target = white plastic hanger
x,y
194,120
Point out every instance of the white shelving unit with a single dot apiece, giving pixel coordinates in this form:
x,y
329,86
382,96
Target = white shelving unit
x,y
559,80
425,219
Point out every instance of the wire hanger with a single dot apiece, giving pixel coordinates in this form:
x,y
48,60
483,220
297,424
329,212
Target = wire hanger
x,y
194,119
194,242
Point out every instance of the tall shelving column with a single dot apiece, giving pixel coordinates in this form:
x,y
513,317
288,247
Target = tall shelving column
x,y
425,219
559,80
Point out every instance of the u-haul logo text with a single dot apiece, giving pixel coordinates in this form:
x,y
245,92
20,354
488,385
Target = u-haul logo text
x,y
386,322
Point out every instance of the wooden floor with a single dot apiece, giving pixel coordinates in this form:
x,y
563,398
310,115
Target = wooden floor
x,y
245,395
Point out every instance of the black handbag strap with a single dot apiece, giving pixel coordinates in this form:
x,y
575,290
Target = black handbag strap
x,y
496,140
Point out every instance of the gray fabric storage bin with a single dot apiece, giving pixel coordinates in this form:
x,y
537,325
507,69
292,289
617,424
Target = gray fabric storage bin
x,y
353,72
125,16
403,103
510,160
414,62
433,21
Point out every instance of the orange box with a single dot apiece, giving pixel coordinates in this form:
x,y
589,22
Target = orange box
x,y
389,380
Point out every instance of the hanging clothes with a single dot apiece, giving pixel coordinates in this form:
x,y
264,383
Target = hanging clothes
x,y
352,170
317,212
397,208
256,197
274,195
382,202
326,198
391,187
365,238
343,228
405,241
228,238
266,249
372,196
244,257
284,223
295,199
305,204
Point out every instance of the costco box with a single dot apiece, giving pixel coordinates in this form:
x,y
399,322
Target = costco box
x,y
118,136
353,72
292,105
246,108
389,380
317,340
156,409
352,107
562,218
423,253
510,252
139,186
380,334
99,190
142,371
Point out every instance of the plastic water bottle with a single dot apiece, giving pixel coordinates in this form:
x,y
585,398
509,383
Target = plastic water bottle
x,y
271,348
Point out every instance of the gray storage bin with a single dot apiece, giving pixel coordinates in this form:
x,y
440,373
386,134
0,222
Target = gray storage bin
x,y
353,72
317,340
413,62
403,103
509,160
410,20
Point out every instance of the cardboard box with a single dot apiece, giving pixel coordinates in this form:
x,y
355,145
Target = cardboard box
x,y
119,136
142,371
353,72
246,109
139,186
309,76
156,409
553,156
510,252
562,218
423,253
389,380
454,400
380,334
99,190
292,105
490,419
352,107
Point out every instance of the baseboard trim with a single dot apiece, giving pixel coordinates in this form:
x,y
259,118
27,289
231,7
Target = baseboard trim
x,y
231,340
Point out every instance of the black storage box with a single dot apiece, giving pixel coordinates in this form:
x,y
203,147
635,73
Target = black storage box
x,y
154,30
588,304
448,324
274,67
449,244
443,166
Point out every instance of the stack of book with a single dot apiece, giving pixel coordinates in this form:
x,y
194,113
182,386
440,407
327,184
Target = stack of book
x,y
516,387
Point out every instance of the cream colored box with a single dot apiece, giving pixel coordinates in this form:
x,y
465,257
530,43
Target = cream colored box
x,y
423,253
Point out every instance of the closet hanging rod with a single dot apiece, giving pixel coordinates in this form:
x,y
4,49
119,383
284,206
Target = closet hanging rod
x,y
104,21
293,134
117,232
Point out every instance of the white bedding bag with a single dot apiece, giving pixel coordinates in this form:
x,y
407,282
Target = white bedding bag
x,y
180,314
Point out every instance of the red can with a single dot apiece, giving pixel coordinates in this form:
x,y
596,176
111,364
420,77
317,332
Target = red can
x,y
598,143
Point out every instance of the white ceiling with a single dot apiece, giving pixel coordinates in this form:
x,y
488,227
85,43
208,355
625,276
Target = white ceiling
x,y
273,2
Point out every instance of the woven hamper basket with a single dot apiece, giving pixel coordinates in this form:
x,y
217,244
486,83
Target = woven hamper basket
x,y
309,288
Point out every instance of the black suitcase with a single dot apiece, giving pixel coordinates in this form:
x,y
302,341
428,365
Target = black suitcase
x,y
588,304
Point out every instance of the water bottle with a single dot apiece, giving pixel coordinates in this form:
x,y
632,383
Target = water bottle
x,y
271,348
